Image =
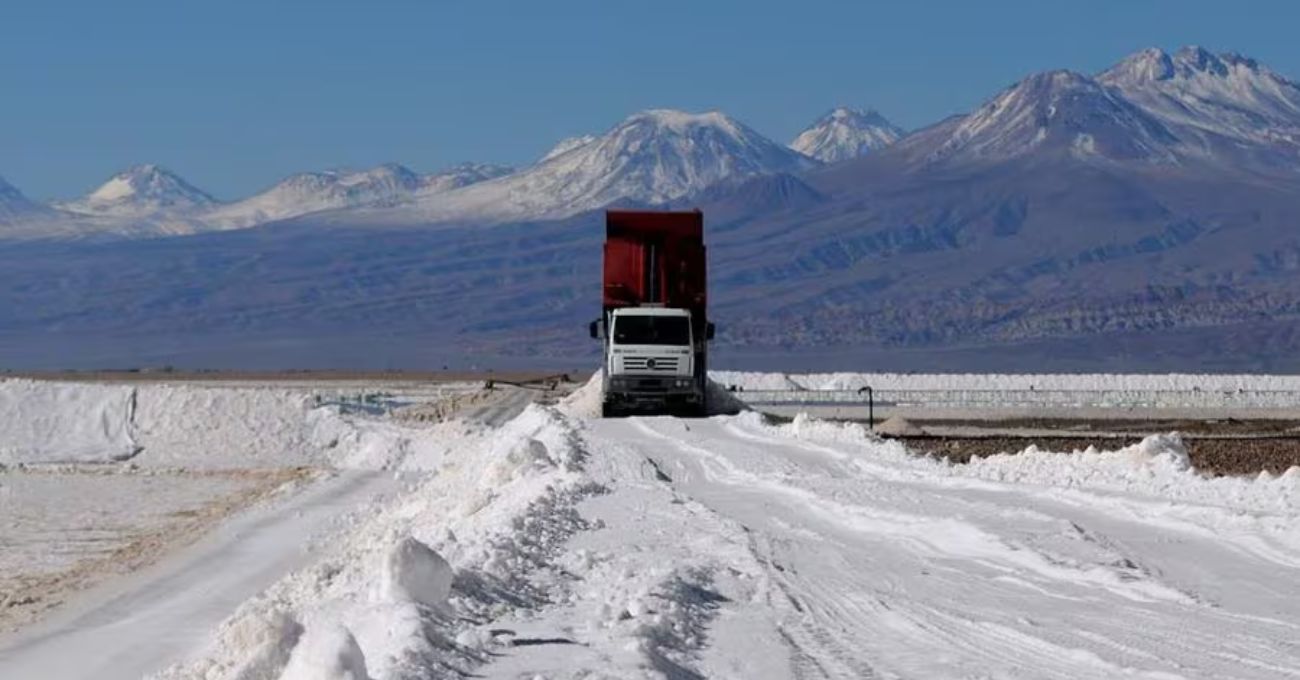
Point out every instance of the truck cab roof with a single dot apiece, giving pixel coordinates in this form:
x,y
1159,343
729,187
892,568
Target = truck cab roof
x,y
651,311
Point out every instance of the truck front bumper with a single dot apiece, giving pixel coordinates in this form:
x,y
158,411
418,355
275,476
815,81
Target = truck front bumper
x,y
652,391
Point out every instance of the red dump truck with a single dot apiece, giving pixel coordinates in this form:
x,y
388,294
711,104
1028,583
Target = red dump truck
x,y
654,322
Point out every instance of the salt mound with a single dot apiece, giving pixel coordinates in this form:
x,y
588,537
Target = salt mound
x,y
723,402
584,402
51,422
268,638
513,459
327,653
898,426
1162,450
756,381
413,572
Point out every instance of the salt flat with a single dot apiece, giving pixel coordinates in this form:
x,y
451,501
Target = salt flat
x,y
542,540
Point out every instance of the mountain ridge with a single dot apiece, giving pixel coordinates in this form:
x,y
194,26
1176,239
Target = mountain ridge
x,y
651,157
1166,110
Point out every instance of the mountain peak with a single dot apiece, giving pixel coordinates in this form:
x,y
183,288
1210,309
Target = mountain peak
x,y
1062,110
308,192
651,157
685,123
1149,64
386,185
387,174
851,115
1192,62
659,155
1199,59
845,133
388,178
144,169
141,189
1218,95
681,120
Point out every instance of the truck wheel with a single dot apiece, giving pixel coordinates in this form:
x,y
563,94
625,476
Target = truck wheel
x,y
608,410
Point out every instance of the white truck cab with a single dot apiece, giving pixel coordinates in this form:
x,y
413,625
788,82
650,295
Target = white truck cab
x,y
650,360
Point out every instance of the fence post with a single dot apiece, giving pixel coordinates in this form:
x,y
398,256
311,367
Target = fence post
x,y
871,407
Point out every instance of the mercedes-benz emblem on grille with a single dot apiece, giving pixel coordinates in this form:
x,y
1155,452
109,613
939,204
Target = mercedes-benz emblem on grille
x,y
649,363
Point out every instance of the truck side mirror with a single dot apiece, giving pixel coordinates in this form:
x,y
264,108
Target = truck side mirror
x,y
709,330
594,329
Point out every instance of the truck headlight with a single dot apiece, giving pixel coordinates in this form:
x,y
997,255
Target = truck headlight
x,y
683,383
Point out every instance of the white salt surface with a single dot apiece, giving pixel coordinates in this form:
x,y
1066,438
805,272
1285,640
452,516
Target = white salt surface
x,y
50,522
562,545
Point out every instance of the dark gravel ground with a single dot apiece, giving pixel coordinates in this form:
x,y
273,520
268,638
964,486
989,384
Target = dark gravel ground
x,y
1220,427
1213,457
1216,447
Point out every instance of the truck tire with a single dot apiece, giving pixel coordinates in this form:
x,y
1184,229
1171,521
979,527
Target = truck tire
x,y
608,410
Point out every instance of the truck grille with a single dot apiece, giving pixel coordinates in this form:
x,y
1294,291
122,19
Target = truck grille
x,y
651,364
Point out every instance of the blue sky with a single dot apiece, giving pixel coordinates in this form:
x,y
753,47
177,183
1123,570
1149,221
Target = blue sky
x,y
236,94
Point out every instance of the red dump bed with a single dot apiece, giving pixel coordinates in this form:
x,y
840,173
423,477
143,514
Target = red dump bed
x,y
655,258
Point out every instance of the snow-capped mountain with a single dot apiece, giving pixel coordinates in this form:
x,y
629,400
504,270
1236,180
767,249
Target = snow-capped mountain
x,y
1191,109
140,191
846,133
1225,95
310,192
1055,112
1223,113
148,200
651,157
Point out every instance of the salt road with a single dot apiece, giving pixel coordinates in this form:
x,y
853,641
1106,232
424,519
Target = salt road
x,y
856,559
128,629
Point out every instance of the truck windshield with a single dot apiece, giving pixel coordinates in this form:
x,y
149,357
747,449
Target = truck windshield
x,y
652,330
